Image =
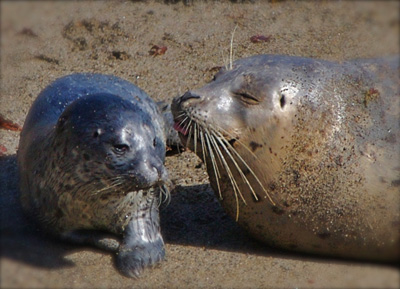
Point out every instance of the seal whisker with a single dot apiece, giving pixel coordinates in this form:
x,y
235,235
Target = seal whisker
x,y
164,194
196,132
203,132
190,132
221,142
231,49
231,136
203,146
215,167
223,160
182,121
210,143
251,171
187,125
115,182
235,186
180,115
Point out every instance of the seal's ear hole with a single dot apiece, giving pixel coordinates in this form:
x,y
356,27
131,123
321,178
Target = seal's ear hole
x,y
97,133
282,101
61,122
154,142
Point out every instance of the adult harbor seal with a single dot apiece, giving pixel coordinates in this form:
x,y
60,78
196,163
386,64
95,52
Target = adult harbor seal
x,y
91,164
303,152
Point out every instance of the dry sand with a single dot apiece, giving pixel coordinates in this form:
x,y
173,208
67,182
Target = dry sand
x,y
41,41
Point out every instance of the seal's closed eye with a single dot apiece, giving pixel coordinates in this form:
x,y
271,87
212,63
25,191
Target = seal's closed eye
x,y
247,98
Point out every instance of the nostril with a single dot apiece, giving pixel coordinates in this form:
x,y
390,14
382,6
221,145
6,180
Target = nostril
x,y
156,170
188,95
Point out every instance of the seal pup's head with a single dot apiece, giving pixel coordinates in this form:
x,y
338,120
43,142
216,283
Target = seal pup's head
x,y
107,139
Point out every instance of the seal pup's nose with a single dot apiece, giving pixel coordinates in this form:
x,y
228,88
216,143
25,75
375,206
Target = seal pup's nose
x,y
154,170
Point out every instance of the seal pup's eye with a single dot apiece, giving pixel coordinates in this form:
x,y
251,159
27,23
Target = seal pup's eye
x,y
120,148
247,98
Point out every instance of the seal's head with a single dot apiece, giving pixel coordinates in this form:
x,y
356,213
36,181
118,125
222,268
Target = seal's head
x,y
106,138
233,100
240,114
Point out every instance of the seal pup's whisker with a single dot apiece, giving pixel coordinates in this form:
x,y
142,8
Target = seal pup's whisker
x,y
164,196
114,183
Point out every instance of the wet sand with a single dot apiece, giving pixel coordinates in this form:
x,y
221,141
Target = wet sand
x,y
41,41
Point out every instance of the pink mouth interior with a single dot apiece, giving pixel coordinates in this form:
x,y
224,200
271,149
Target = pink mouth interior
x,y
180,129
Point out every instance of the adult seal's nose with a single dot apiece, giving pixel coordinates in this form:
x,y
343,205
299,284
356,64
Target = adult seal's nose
x,y
180,102
187,97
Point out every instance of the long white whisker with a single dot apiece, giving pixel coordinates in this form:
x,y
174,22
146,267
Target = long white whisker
x,y
115,182
190,132
164,191
237,167
203,147
196,131
251,171
231,136
215,167
231,49
236,189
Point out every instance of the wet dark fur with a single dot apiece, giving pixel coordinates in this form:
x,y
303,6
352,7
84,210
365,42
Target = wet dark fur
x,y
91,163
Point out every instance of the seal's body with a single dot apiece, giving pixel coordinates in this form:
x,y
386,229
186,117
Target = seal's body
x,y
304,152
91,159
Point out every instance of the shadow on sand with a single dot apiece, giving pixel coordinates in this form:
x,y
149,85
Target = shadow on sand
x,y
193,217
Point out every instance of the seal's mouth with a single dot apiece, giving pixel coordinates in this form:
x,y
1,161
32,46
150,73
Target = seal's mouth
x,y
181,129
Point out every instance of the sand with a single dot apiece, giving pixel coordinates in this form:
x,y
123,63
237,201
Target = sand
x,y
41,41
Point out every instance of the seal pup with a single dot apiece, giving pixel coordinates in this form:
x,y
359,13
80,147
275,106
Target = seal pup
x,y
91,165
304,153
